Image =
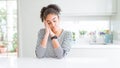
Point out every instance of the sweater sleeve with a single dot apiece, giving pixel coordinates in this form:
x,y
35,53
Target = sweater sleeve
x,y
40,51
65,47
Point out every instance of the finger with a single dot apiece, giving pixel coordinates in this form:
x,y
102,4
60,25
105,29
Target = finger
x,y
45,23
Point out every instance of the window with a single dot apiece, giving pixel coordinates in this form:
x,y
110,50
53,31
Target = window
x,y
87,30
8,28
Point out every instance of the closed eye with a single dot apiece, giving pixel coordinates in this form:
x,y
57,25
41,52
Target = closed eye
x,y
48,22
54,21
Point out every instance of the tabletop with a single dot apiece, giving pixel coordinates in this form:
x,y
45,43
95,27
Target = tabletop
x,y
59,63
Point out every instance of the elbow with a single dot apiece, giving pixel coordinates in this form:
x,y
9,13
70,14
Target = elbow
x,y
60,54
59,57
38,55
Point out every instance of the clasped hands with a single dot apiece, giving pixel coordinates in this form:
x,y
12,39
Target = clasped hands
x,y
48,30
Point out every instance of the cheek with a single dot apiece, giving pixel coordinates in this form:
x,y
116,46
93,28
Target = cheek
x,y
50,26
57,24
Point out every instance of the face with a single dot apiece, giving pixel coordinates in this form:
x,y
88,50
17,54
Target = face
x,y
53,22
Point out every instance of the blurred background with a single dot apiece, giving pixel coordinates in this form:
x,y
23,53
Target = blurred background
x,y
95,26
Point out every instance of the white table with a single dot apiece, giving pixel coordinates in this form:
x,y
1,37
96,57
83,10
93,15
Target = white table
x,y
60,63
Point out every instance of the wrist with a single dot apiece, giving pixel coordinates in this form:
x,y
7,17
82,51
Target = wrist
x,y
54,37
46,34
51,34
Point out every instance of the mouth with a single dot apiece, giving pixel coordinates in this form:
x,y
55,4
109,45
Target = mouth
x,y
54,29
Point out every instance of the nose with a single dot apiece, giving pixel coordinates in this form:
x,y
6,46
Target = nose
x,y
53,24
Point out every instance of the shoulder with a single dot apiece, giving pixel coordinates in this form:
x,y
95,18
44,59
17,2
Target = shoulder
x,y
67,32
41,31
68,37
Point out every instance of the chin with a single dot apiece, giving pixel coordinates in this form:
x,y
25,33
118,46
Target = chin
x,y
54,31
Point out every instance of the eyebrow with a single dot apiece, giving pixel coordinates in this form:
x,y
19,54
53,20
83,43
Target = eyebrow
x,y
53,18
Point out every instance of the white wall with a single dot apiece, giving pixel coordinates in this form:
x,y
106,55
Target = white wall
x,y
115,23
29,23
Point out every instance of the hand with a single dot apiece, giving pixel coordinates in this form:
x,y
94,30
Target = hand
x,y
46,28
51,32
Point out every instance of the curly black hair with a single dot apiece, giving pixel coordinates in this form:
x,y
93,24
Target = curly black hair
x,y
50,9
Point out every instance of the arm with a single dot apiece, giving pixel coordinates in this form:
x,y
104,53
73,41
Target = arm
x,y
42,41
57,48
64,48
41,44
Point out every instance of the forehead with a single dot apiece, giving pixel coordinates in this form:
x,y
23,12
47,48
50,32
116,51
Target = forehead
x,y
51,16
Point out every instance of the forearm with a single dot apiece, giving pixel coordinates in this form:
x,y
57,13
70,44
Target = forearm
x,y
40,51
59,52
55,43
44,41
41,44
57,48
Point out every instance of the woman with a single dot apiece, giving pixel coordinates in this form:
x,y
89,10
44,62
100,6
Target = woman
x,y
52,41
